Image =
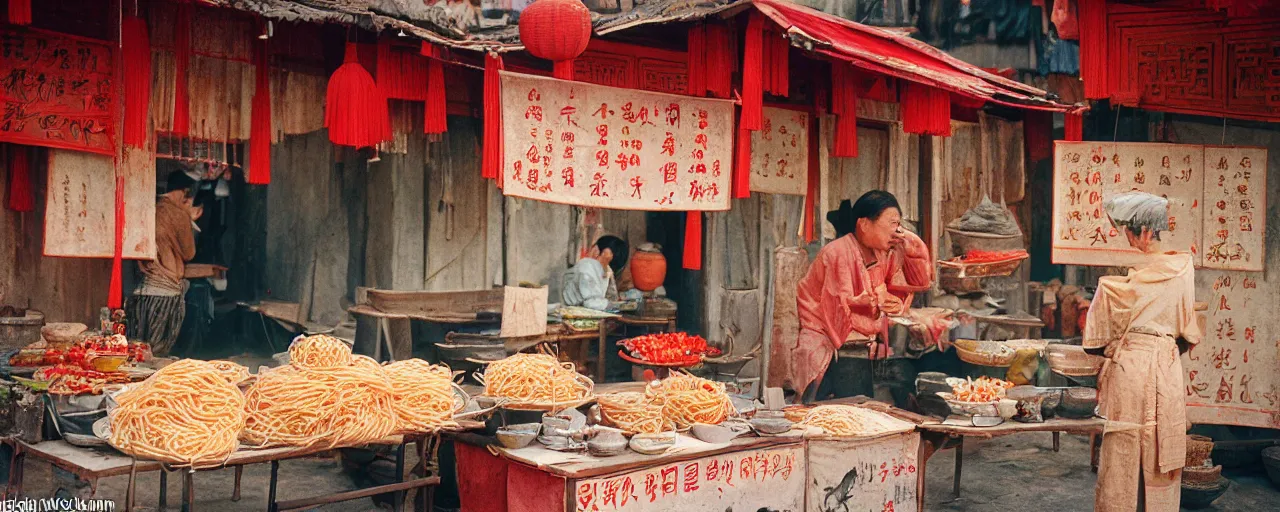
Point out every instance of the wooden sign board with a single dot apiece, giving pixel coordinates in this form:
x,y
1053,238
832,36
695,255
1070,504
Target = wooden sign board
x,y
80,212
1235,204
780,153
59,91
604,147
524,312
876,474
1087,173
765,479
1231,376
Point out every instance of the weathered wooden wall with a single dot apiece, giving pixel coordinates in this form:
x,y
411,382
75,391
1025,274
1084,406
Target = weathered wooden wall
x,y
65,289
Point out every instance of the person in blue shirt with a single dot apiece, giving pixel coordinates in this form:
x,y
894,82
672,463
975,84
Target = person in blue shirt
x,y
590,282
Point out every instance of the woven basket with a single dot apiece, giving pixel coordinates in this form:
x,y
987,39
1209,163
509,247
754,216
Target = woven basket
x,y
959,285
1201,475
969,352
1198,450
964,241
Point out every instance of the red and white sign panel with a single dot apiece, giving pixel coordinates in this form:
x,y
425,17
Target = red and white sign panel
x,y
766,479
780,153
605,147
57,91
877,474
1231,375
80,218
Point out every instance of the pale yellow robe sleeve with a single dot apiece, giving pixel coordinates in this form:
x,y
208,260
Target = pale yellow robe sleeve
x,y
1188,326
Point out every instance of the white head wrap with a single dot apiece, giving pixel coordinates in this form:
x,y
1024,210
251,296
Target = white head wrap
x,y
1138,210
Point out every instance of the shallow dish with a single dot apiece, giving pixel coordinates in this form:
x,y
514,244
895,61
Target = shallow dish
x,y
653,444
517,436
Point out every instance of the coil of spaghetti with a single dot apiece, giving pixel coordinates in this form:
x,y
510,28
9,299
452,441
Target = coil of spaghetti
x,y
188,414
535,379
319,352
633,412
422,396
342,406
847,420
686,400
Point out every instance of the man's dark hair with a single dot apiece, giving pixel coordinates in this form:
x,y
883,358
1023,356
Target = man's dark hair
x,y
621,251
179,180
870,206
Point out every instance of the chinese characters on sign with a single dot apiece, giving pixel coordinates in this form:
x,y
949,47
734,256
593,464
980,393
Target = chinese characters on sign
x,y
1087,173
780,153
1235,207
877,475
596,146
57,91
749,480
1230,375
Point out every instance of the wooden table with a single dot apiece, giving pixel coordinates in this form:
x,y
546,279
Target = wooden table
x,y
936,436
91,465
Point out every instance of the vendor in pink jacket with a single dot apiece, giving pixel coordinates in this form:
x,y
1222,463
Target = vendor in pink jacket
x,y
856,282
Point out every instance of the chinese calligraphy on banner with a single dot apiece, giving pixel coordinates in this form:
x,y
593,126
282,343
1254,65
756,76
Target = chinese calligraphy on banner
x,y
780,153
80,217
1230,376
604,147
877,475
1217,196
1235,199
1086,173
57,91
770,479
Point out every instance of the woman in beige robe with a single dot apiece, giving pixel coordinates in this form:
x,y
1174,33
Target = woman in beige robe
x,y
1141,322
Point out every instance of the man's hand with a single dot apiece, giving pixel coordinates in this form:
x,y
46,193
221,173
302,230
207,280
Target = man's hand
x,y
890,304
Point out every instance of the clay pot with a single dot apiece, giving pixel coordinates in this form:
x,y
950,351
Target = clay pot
x,y
648,268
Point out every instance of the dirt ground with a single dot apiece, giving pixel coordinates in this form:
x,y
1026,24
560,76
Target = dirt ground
x,y
1020,472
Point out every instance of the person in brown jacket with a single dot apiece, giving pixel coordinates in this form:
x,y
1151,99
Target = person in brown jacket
x,y
157,308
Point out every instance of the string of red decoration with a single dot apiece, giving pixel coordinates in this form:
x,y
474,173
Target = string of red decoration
x,y
719,60
752,71
1093,47
401,74
692,240
20,12
436,115
1036,132
491,157
260,122
181,62
777,63
697,64
355,110
815,174
742,164
115,290
1073,124
136,63
925,110
21,196
844,104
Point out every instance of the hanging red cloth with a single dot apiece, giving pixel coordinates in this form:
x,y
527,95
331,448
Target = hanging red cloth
x,y
752,79
260,122
401,74
1073,126
719,59
1093,48
21,195
115,290
181,63
1037,133
1064,18
355,110
136,64
20,12
693,240
697,63
491,143
742,165
844,104
777,63
436,114
925,110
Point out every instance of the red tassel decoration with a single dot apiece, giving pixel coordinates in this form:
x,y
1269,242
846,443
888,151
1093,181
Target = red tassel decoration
x,y
1037,133
137,80
811,192
260,122
742,165
491,160
752,69
20,12
401,74
925,110
777,64
844,104
719,60
562,69
1073,124
21,197
1093,48
115,290
355,110
697,64
181,62
693,240
436,115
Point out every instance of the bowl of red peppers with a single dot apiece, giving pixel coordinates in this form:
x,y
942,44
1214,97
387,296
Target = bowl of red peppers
x,y
671,349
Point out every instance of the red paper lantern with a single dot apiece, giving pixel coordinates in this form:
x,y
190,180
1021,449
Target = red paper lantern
x,y
556,30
